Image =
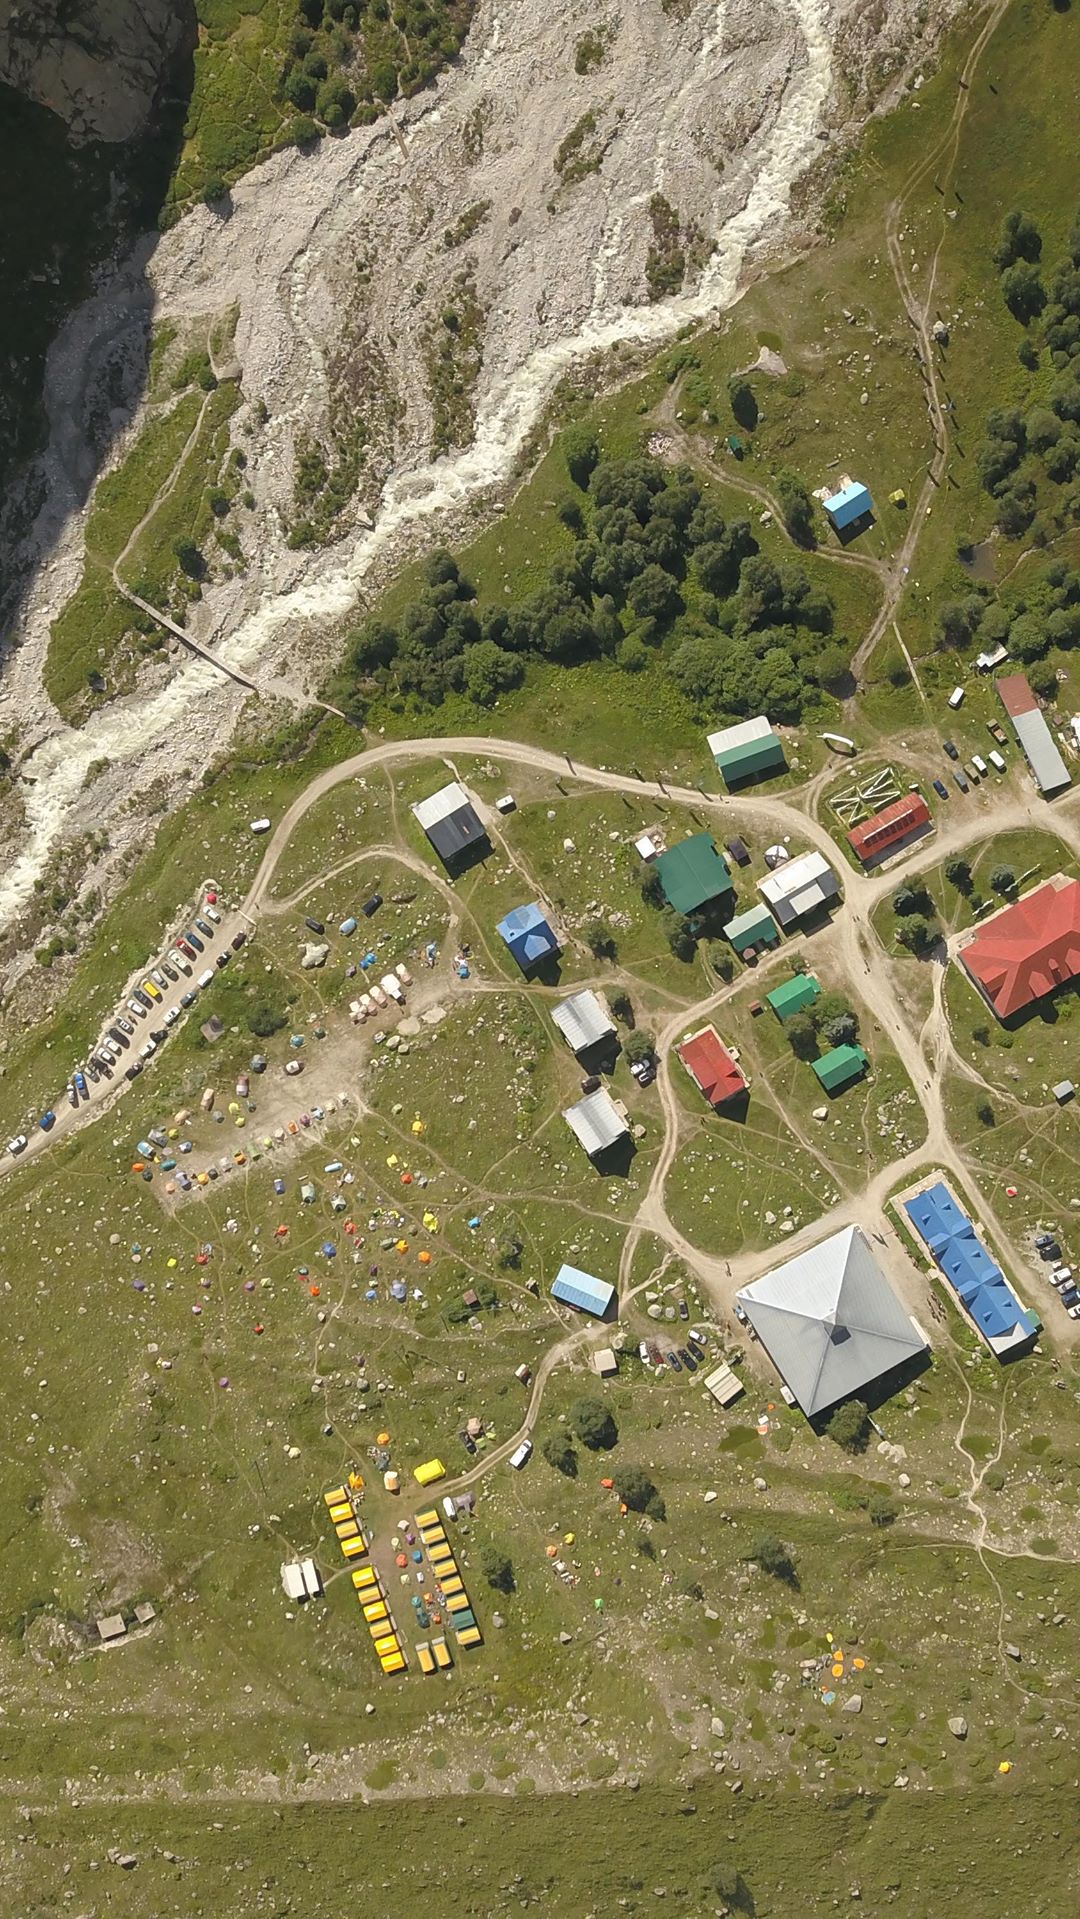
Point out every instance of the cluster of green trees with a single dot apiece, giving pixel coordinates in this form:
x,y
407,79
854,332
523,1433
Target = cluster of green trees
x,y
1021,448
653,565
328,76
829,1022
849,1426
1044,615
918,930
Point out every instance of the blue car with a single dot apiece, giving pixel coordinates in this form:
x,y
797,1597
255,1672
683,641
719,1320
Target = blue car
x,y
47,1122
80,1083
941,789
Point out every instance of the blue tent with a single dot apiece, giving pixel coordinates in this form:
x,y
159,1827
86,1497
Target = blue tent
x,y
528,936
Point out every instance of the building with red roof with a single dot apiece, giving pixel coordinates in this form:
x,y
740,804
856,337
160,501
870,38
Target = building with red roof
x,y
711,1067
905,819
1028,950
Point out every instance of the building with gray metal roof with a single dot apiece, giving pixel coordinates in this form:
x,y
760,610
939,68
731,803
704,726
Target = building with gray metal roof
x,y
1037,743
451,822
830,1322
596,1122
583,1020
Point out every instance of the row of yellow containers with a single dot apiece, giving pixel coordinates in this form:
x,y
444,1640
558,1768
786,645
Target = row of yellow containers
x,y
365,1579
444,1566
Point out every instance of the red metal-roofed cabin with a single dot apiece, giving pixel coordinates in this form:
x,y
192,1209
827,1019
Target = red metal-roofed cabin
x,y
905,819
712,1068
1029,950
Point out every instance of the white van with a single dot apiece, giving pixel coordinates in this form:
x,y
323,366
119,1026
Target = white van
x,y
996,761
980,765
207,978
523,1453
956,697
260,826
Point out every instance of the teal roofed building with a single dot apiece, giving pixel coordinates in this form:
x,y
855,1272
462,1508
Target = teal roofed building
x,y
755,927
692,873
794,995
841,1067
745,751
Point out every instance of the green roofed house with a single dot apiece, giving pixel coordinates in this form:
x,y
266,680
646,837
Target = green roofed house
x,y
794,995
839,1068
692,873
755,927
744,751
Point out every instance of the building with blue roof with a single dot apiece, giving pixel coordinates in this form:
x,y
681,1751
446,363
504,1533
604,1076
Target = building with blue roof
x,y
852,503
971,1271
528,936
580,1290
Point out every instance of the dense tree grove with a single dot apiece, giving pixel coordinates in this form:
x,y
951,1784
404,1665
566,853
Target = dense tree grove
x,y
1020,449
1045,614
653,567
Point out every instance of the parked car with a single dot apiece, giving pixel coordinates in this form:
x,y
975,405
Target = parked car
x,y
684,1310
47,1121
206,979
73,1097
224,958
941,789
1049,1249
17,1145
189,998
687,1359
1044,1239
674,1362
194,941
206,931
158,978
169,970
961,781
159,1034
372,905
172,1016
124,1025
239,940
996,761
644,1070
213,914
80,1083
185,947
313,925
979,764
951,749
183,964
740,1314
522,1455
997,732
134,1069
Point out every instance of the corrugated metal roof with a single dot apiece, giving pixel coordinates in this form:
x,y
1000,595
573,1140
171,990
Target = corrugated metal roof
x,y
849,504
1029,949
583,1290
830,1321
893,823
1041,752
528,934
583,1020
799,885
711,1066
842,1064
693,872
730,737
793,995
747,928
596,1122
975,1277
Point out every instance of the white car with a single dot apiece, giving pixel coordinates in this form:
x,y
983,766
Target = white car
x,y
17,1145
182,963
1073,1311
171,1015
150,1047
212,914
139,1012
159,979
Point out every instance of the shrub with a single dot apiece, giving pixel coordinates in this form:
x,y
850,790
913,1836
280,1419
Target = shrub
x,y
594,1425
638,1494
496,1566
639,1045
770,1553
849,1427
264,1020
560,1455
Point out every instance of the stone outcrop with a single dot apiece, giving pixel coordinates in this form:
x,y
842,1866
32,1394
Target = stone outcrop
x,y
98,64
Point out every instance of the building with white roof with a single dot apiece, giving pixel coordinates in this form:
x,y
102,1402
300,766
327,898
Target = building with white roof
x,y
799,887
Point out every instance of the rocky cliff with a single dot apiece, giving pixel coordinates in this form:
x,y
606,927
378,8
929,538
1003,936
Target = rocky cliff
x,y
96,63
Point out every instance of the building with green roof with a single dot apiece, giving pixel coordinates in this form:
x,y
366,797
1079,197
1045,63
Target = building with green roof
x,y
755,927
841,1067
793,995
692,873
745,750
